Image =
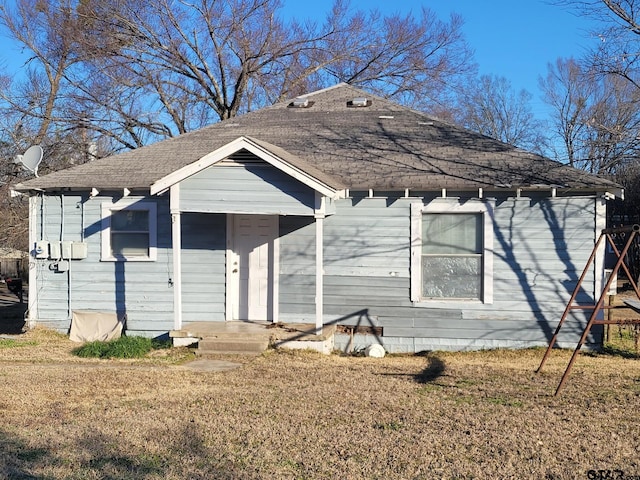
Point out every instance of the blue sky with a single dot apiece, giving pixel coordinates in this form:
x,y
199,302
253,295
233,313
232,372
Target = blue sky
x,y
515,39
511,38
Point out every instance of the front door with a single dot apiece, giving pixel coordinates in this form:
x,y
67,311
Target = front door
x,y
252,271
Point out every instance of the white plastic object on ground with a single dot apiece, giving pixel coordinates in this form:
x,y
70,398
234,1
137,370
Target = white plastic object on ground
x,y
375,351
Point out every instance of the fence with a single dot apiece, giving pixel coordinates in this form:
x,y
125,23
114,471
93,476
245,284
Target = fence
x,y
14,267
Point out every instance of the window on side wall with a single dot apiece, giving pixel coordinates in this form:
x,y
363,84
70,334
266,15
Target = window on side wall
x,y
452,246
129,231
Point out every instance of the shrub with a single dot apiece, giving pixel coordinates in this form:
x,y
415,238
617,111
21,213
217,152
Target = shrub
x,y
123,347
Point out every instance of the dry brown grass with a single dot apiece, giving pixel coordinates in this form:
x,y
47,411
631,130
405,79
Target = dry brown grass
x,y
304,415
626,337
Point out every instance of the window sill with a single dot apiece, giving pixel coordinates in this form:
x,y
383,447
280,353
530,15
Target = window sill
x,y
447,303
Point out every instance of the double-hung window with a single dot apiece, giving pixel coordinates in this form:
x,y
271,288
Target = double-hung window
x,y
451,252
129,231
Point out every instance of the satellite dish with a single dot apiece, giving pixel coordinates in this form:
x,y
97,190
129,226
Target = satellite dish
x,y
30,159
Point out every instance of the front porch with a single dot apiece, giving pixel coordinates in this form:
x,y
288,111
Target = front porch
x,y
254,187
253,337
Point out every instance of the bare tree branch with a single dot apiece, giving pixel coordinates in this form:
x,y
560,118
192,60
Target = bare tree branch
x,y
596,116
492,108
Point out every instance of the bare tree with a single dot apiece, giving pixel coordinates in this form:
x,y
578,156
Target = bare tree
x,y
491,107
596,116
417,60
13,210
605,120
35,106
48,34
567,94
135,71
617,26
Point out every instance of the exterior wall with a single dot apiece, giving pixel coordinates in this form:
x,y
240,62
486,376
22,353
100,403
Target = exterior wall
x,y
297,287
141,290
203,267
221,188
540,248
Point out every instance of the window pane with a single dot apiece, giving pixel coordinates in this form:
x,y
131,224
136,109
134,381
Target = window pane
x,y
452,277
129,244
130,220
452,234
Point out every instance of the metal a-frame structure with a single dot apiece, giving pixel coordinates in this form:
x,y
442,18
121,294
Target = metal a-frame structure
x,y
633,232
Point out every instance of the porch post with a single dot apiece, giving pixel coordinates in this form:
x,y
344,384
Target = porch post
x,y
320,212
176,246
319,272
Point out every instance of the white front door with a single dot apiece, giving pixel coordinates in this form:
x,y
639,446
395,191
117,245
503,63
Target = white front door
x,y
252,270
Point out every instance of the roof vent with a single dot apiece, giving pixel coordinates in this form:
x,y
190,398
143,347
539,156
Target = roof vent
x,y
300,102
359,102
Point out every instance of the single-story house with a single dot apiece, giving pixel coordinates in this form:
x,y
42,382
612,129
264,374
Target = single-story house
x,y
336,207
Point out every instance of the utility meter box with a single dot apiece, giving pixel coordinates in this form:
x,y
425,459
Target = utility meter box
x,y
54,250
62,266
41,249
78,250
66,250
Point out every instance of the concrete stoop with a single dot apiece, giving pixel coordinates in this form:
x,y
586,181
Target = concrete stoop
x,y
244,338
303,337
236,346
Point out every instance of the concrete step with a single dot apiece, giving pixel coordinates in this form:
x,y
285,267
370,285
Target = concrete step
x,y
208,346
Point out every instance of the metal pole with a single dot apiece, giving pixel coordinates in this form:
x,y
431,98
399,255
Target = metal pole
x,y
623,265
596,310
570,302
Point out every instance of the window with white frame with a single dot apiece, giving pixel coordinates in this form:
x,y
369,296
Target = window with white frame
x,y
129,231
451,255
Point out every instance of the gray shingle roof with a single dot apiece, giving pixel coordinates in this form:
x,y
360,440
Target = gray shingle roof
x,y
383,146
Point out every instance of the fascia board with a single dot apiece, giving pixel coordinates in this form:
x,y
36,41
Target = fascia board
x,y
238,144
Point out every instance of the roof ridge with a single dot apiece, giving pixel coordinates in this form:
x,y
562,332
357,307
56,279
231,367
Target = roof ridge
x,y
323,90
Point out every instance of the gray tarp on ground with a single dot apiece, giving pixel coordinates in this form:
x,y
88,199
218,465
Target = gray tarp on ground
x,y
92,325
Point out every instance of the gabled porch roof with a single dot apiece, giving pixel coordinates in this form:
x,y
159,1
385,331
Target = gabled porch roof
x,y
274,156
